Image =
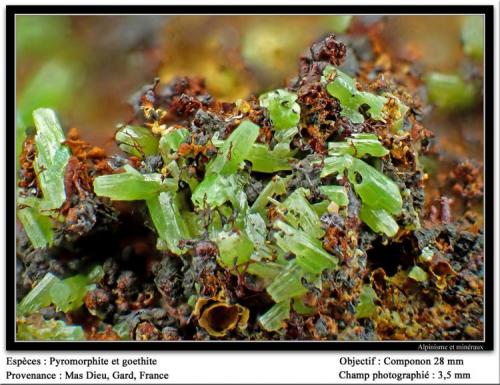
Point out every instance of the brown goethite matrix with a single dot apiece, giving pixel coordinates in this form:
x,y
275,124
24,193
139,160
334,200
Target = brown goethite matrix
x,y
300,214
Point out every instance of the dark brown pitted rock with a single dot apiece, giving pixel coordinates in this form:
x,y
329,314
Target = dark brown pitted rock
x,y
330,50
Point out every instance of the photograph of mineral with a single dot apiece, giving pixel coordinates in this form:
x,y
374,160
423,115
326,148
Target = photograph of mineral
x,y
249,178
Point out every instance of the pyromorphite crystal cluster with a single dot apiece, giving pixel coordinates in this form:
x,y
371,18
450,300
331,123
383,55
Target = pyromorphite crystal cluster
x,y
277,236
66,295
49,164
258,207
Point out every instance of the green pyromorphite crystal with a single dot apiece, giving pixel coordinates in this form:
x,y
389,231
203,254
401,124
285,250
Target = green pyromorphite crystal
x,y
276,186
39,297
343,87
374,188
283,109
266,270
273,319
256,230
168,221
288,283
234,150
336,165
450,92
418,274
301,308
48,330
366,307
67,294
51,158
309,251
380,196
336,194
300,213
37,226
137,141
132,185
358,145
171,140
379,220
234,248
265,160
426,255
221,182
215,190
